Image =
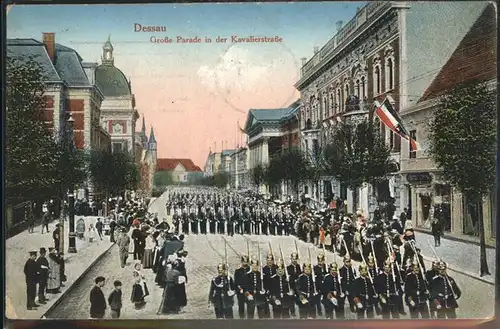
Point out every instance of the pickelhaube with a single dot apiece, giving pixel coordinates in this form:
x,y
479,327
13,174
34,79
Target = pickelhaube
x,y
435,265
254,262
221,269
387,264
307,268
295,256
442,267
347,259
321,257
363,269
333,267
371,259
244,259
270,256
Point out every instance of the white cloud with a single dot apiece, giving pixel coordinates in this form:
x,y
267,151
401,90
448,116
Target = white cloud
x,y
237,69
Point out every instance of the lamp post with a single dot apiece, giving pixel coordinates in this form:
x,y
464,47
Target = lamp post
x,y
71,195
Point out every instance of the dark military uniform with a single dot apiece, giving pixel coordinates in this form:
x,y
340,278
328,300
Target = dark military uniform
x,y
31,273
294,272
388,288
307,294
281,294
348,275
254,292
240,280
444,294
333,295
416,295
365,297
320,271
221,294
269,272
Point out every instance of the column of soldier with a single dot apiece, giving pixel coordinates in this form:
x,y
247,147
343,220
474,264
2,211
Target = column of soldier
x,y
208,212
322,289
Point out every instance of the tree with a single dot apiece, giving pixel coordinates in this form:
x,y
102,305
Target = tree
x,y
114,172
163,178
31,161
357,154
297,168
221,179
462,138
258,174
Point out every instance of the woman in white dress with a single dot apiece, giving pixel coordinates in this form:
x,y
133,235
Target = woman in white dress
x,y
92,233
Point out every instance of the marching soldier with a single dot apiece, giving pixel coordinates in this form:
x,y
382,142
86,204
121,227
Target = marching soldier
x,y
185,222
389,291
372,268
429,276
444,294
247,223
240,277
333,295
347,277
203,221
294,272
365,296
220,221
239,220
193,222
269,272
417,293
320,270
281,294
221,294
254,292
212,220
306,293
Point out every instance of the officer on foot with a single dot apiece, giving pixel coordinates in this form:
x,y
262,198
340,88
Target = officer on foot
x,y
221,294
333,295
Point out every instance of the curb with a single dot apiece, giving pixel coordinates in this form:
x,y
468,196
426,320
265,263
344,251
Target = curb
x,y
453,238
454,269
78,280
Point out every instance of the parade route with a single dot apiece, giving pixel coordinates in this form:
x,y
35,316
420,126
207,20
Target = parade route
x,y
205,252
18,248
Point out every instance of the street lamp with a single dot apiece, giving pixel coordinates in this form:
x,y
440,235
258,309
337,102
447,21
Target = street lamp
x,y
71,196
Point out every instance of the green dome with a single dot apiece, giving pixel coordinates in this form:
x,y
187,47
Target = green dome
x,y
111,81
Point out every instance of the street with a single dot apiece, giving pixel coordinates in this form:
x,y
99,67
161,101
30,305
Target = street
x,y
205,252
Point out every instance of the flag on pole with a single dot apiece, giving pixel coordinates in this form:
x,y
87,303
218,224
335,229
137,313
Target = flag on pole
x,y
388,115
241,129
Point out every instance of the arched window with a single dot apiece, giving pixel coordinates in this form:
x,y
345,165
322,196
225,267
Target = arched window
x,y
332,105
357,90
377,80
363,88
346,91
338,100
389,73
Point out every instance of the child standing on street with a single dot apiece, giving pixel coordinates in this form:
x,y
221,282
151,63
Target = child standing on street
x,y
139,289
115,300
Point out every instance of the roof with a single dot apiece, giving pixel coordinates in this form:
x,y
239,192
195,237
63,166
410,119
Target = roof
x,y
271,116
152,138
111,81
169,164
227,152
67,66
474,59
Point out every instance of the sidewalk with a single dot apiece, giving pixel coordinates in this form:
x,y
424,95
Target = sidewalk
x,y
17,252
461,257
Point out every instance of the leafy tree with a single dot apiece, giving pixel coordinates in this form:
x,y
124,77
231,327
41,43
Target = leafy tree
x,y
463,143
297,167
357,154
221,179
31,161
258,175
162,178
114,172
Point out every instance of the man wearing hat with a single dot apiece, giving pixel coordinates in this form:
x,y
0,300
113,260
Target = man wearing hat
x,y
56,236
43,275
31,273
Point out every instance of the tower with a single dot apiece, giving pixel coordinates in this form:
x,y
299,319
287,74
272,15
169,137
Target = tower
x,y
107,53
144,137
152,147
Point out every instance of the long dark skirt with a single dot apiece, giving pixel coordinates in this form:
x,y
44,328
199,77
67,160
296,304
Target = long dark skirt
x,y
180,293
139,291
147,258
170,303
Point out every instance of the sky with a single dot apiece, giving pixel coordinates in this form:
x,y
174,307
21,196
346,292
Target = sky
x,y
194,95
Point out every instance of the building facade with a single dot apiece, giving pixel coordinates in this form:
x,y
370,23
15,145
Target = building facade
x,y
118,112
362,60
212,165
269,131
70,89
183,171
466,53
240,178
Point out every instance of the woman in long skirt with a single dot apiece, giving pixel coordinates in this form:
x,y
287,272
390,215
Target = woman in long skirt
x,y
139,289
147,258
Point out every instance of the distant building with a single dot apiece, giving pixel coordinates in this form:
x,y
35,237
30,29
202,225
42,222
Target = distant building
x,y
212,165
270,131
240,177
182,170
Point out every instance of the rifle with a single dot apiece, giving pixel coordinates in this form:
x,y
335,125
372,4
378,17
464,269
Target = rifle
x,y
313,275
374,256
287,276
369,275
446,275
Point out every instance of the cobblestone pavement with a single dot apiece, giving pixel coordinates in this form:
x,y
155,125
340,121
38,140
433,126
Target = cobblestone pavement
x,y
17,249
461,256
204,254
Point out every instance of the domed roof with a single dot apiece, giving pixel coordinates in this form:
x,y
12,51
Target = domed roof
x,y
111,81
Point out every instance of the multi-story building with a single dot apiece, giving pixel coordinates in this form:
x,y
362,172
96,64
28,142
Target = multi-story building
x,y
181,170
362,59
461,52
118,112
269,131
70,88
226,161
212,164
240,178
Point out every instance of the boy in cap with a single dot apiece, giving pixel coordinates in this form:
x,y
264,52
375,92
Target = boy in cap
x,y
43,275
31,273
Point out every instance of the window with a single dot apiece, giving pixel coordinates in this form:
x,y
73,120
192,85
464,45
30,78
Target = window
x,y
391,140
389,73
338,102
325,107
357,90
363,88
346,90
332,105
117,147
376,80
413,153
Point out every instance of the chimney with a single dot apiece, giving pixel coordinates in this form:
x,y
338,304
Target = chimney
x,y
316,49
339,25
304,61
49,41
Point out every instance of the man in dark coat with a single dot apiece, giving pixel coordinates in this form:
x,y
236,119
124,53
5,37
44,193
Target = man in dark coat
x,y
136,236
97,299
31,273
43,275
